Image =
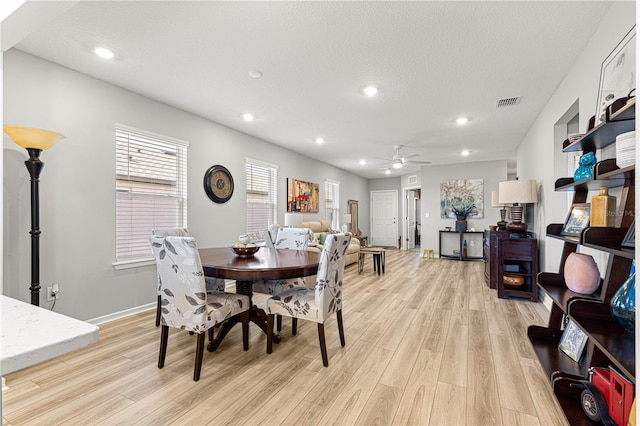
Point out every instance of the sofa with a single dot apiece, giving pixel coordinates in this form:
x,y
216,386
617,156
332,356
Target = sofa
x,y
321,229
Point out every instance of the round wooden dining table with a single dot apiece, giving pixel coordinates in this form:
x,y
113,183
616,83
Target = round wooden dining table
x,y
266,264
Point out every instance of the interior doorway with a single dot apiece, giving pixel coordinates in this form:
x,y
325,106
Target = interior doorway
x,y
411,219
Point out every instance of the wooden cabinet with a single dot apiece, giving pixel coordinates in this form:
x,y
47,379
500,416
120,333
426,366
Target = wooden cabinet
x,y
490,255
461,245
518,257
608,344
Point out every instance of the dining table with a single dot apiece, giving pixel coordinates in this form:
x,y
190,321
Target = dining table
x,y
265,264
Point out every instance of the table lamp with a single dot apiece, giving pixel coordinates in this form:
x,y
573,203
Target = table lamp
x,y
516,193
35,141
502,224
346,221
293,220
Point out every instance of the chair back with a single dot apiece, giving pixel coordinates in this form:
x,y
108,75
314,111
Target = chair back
x,y
175,232
292,238
330,272
182,286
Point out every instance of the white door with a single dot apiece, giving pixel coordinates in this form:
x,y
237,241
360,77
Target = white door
x,y
384,218
410,231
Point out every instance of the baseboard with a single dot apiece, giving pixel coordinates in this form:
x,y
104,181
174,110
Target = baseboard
x,y
122,314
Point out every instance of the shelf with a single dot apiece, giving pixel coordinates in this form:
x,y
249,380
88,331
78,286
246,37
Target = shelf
x,y
605,134
619,346
608,240
545,343
606,173
554,286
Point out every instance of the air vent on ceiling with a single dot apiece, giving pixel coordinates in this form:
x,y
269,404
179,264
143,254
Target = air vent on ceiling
x,y
506,102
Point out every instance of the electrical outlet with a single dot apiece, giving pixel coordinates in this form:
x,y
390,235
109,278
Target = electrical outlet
x,y
50,296
53,292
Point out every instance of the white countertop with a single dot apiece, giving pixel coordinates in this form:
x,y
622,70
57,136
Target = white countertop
x,y
31,335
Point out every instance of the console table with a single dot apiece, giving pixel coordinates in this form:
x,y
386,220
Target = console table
x,y
452,245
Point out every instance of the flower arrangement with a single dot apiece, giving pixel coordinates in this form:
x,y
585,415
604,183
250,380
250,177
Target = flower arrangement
x,y
463,210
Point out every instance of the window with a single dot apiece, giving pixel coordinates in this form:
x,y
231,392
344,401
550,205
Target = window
x,y
332,202
262,196
151,189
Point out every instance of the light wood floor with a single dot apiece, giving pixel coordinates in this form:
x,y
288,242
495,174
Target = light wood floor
x,y
427,344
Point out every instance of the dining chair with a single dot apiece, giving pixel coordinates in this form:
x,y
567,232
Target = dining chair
x,y
213,284
315,304
287,238
186,303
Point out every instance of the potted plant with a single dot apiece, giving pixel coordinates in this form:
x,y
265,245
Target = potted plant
x,y
462,211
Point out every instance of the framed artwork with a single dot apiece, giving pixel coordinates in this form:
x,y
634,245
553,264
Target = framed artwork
x,y
577,220
573,341
630,237
462,195
302,196
617,75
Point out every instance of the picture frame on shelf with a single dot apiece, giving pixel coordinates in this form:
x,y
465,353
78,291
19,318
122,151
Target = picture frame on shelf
x,y
577,219
617,75
573,341
629,239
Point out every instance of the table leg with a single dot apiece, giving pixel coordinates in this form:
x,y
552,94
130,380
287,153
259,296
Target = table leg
x,y
256,316
382,255
360,262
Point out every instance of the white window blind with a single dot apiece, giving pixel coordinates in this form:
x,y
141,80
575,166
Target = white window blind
x,y
332,202
151,189
262,196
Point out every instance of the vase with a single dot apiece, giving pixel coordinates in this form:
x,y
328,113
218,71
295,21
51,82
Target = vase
x,y
603,211
581,273
461,224
623,304
585,170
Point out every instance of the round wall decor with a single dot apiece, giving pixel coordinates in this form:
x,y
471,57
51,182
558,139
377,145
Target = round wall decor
x,y
218,184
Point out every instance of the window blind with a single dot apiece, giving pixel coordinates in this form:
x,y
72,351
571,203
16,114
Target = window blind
x,y
151,189
332,202
262,196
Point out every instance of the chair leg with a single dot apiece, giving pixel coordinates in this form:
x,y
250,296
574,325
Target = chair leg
x,y
211,334
158,310
244,318
323,345
269,333
340,327
164,336
199,355
294,326
279,323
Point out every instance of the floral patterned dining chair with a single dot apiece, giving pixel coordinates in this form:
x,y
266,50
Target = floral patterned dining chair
x,y
213,284
186,303
319,303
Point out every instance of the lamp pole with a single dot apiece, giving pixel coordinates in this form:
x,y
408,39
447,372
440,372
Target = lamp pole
x,y
34,166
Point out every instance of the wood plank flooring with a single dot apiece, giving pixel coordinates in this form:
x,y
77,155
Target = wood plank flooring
x,y
427,344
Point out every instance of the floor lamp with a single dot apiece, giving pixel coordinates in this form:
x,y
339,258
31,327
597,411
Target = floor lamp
x,y
35,141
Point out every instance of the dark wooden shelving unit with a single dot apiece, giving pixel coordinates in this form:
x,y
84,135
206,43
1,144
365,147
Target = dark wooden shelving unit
x,y
521,255
608,343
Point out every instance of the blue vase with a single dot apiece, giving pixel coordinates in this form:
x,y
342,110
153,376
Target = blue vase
x,y
585,170
623,304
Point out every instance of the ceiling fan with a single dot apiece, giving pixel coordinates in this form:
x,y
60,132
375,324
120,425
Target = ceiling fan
x,y
399,160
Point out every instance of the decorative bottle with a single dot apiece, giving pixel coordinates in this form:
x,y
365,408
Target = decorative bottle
x,y
623,303
603,209
464,249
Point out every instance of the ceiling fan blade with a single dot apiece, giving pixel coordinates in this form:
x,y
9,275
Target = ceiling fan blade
x,y
409,156
384,159
417,162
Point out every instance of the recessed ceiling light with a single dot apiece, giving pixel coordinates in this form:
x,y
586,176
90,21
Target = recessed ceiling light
x,y
363,162
465,152
370,90
104,53
248,117
462,120
319,141
387,172
255,73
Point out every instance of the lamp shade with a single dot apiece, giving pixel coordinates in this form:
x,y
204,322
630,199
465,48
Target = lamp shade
x,y
517,192
293,220
346,218
29,137
495,202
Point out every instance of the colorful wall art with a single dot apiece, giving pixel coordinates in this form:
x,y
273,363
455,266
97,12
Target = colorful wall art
x,y
302,196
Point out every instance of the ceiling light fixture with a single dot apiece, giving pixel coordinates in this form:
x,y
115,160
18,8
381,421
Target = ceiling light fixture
x,y
465,152
387,172
462,120
370,90
319,141
248,117
104,53
397,164
363,162
255,73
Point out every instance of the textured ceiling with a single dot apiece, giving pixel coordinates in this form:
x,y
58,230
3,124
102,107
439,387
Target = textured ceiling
x,y
432,61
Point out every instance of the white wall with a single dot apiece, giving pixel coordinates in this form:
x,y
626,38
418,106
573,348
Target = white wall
x,y
492,172
537,153
77,184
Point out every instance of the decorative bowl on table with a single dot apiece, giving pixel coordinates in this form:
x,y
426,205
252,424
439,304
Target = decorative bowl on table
x,y
246,251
